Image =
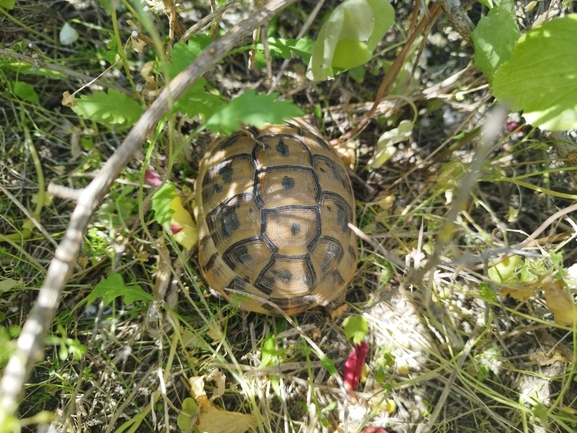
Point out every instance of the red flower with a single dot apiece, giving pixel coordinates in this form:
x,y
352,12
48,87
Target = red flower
x,y
152,177
354,365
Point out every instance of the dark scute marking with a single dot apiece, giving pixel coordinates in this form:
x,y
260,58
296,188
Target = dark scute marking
x,y
282,148
285,276
210,264
250,210
337,173
322,170
225,144
342,219
288,183
333,251
329,209
242,254
237,284
338,279
352,252
229,221
226,173
295,229
217,188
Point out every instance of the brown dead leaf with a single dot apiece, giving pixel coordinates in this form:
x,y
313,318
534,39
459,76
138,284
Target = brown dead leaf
x,y
559,301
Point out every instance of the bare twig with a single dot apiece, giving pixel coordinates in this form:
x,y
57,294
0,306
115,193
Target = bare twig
x,y
491,131
458,18
31,341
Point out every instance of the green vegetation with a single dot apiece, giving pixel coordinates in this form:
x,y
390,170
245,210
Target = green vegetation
x,y
462,316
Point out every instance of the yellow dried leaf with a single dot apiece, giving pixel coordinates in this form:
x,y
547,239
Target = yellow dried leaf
x,y
187,236
560,302
385,200
520,292
216,420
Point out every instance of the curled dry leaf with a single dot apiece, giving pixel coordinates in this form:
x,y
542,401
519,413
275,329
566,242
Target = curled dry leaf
x,y
559,301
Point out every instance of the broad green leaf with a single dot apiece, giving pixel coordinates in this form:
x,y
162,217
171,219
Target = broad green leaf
x,y
113,107
494,39
350,54
161,200
113,287
541,77
7,4
349,36
251,109
25,91
356,327
505,270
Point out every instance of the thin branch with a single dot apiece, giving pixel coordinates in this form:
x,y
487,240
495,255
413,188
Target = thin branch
x,y
31,341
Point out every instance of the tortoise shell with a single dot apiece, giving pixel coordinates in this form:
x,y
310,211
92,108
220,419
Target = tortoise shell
x,y
273,207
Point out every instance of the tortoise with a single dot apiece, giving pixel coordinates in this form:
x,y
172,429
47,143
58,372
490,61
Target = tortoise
x,y
273,207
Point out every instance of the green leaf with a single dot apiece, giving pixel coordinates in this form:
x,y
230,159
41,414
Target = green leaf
x,y
349,36
161,204
271,353
329,365
251,109
540,77
199,102
113,107
187,415
494,39
113,287
506,270
356,327
25,91
7,4
183,54
283,47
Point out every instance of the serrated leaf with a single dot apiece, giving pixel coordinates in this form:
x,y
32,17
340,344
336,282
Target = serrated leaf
x,y
113,107
356,327
183,54
113,287
251,109
199,102
540,77
25,91
494,39
349,36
